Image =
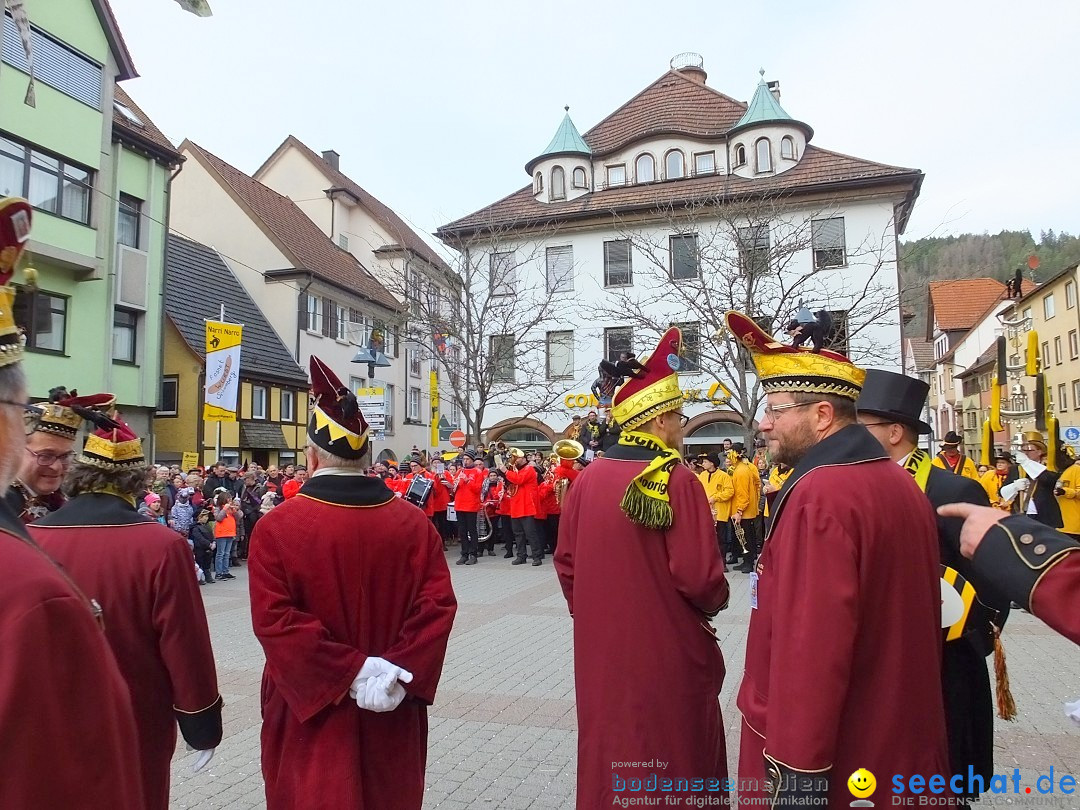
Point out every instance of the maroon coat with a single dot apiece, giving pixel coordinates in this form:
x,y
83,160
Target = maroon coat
x,y
143,575
647,665
67,734
844,648
342,571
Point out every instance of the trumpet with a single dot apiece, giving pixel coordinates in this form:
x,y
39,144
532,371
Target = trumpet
x,y
740,535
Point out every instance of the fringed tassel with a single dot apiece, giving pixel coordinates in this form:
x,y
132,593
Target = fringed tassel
x,y
1006,706
652,513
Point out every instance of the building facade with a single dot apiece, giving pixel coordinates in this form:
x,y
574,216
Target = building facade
x,y
97,171
681,204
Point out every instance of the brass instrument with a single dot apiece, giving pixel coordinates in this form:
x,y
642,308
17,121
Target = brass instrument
x,y
740,535
513,454
567,450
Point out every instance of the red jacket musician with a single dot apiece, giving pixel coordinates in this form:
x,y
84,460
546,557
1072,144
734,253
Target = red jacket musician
x,y
522,485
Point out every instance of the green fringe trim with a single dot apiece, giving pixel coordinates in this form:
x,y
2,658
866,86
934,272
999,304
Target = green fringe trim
x,y
646,510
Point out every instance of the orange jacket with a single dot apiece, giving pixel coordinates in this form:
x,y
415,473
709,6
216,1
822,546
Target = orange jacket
x,y
523,501
747,482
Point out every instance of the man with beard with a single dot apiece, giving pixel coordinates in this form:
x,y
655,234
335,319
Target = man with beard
x,y
889,407
156,623
845,598
639,567
68,735
35,492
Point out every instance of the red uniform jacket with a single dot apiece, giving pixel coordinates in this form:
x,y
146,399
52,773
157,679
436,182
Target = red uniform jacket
x,y
844,646
343,571
523,481
640,601
549,504
143,575
440,494
429,507
467,495
67,733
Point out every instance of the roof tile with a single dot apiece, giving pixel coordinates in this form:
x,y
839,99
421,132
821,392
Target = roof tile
x,y
961,302
309,247
147,131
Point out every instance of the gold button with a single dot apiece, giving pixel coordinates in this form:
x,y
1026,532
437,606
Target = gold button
x,y
1027,539
1039,549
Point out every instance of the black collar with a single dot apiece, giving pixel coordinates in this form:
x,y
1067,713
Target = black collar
x,y
629,452
850,445
347,490
94,509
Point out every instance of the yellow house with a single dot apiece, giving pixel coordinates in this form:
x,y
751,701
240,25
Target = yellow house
x,y
273,401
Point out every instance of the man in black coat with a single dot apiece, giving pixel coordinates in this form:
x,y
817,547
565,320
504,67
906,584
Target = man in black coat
x,y
889,407
1036,490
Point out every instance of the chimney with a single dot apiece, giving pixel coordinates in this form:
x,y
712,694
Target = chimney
x,y
774,88
331,157
690,65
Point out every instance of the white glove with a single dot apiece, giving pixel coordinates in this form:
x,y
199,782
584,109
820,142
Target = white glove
x,y
201,759
383,693
377,666
1033,468
1008,492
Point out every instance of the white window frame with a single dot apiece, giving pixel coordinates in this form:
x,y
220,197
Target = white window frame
x,y
698,157
502,273
564,337
415,362
763,166
828,257
1048,307
1070,295
1057,351
261,402
341,323
670,175
789,143
1074,345
615,170
629,263
314,314
558,183
173,381
683,237
1063,401
638,163
288,414
414,404
584,184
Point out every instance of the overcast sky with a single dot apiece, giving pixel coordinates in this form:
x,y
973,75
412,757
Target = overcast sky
x,y
436,107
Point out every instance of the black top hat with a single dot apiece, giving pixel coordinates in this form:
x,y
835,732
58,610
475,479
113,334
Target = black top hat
x,y
895,397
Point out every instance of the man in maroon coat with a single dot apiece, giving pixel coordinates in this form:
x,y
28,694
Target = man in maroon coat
x,y
67,735
845,624
639,566
352,603
143,574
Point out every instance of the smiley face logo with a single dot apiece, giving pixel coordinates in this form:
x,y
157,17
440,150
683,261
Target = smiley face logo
x,y
862,784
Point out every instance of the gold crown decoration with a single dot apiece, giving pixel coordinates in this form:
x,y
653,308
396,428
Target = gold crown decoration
x,y
114,453
787,369
15,216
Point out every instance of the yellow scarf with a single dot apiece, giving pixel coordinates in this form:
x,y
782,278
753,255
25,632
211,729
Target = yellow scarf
x,y
646,501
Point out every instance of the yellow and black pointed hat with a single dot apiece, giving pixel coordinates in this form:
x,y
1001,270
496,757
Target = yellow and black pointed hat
x,y
336,424
782,368
654,387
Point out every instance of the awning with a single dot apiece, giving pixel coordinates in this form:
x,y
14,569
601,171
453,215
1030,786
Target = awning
x,y
262,436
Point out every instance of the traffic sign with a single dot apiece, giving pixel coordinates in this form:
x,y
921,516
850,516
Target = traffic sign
x,y
457,438
1072,434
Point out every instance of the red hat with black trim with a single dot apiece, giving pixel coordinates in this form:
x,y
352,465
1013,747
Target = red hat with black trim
x,y
336,425
653,388
113,446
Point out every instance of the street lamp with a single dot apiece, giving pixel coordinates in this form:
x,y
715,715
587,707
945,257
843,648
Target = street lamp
x,y
373,353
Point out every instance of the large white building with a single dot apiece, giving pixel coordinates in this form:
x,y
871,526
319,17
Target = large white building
x,y
680,204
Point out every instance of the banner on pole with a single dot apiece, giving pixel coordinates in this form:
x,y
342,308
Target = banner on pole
x,y
434,409
222,371
372,402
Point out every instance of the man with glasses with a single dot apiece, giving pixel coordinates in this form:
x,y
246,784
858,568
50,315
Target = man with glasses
x,y
890,407
50,447
68,732
845,619
639,567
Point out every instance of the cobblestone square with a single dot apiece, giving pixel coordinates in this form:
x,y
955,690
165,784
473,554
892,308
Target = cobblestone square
x,y
503,725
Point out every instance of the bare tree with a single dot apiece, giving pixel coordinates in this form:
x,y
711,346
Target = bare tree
x,y
763,257
485,325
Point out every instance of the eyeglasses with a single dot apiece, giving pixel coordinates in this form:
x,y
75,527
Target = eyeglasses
x,y
876,424
772,411
31,414
683,418
46,459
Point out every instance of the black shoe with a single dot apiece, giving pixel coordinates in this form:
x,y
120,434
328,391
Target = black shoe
x,y
226,576
462,560
745,568
491,552
537,562
519,561
471,560
445,547
508,555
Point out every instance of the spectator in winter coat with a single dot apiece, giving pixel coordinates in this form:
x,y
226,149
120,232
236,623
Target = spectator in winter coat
x,y
203,545
182,514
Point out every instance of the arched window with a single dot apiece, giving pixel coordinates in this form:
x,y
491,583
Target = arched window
x,y
673,164
740,155
787,148
538,183
558,183
643,169
580,179
764,155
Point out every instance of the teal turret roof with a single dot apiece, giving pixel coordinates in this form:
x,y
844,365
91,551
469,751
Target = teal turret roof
x,y
567,140
763,107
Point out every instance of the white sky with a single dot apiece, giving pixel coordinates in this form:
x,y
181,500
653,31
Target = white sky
x,y
435,107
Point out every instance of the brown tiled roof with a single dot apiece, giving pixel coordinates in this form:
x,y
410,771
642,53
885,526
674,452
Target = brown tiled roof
x,y
987,358
922,352
960,303
148,132
394,225
297,236
819,169
673,104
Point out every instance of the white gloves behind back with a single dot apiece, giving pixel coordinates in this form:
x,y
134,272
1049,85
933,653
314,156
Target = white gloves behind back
x,y
378,685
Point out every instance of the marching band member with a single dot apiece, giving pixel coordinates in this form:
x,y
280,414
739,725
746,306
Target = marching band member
x,y
1068,492
951,459
467,487
522,481
719,490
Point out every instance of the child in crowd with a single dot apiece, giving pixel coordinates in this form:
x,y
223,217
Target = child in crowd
x,y
203,545
225,512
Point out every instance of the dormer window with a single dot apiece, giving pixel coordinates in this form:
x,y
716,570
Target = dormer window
x,y
763,151
787,148
705,163
616,175
558,183
644,169
538,183
580,179
673,164
740,155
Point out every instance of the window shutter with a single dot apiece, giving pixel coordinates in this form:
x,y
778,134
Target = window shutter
x,y
828,233
328,313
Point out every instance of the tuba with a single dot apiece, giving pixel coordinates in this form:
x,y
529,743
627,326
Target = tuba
x,y
567,450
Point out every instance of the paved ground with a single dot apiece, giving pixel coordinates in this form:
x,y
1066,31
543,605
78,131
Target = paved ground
x,y
503,728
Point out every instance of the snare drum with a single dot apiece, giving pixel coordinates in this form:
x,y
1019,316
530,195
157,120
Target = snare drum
x,y
419,491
